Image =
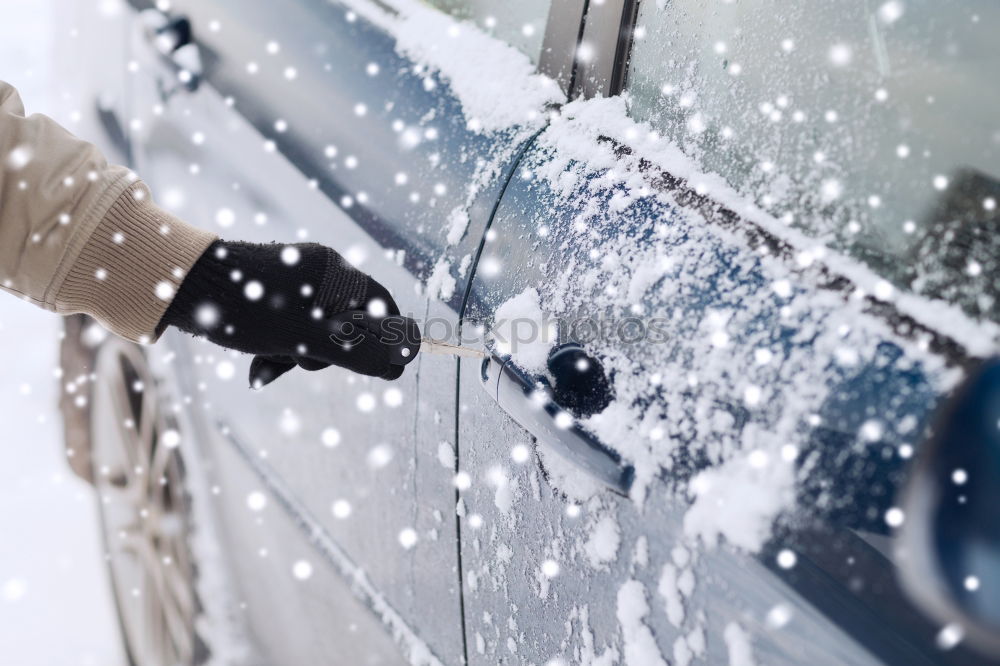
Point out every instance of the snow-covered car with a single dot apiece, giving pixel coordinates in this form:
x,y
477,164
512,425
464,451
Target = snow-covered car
x,y
752,247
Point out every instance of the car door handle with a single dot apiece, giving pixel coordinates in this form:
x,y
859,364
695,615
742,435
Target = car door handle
x,y
173,39
541,409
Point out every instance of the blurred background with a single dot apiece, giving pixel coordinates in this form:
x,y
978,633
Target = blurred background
x,y
55,601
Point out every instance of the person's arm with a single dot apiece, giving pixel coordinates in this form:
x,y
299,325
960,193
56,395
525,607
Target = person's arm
x,y
78,235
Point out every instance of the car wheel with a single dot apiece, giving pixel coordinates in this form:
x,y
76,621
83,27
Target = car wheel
x,y
145,511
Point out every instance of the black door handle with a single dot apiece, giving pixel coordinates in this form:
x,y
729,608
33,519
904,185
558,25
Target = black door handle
x,y
173,39
535,404
581,385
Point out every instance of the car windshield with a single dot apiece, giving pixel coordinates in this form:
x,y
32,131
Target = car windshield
x,y
872,125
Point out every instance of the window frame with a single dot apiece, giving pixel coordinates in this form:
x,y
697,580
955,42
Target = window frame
x,y
608,31
563,32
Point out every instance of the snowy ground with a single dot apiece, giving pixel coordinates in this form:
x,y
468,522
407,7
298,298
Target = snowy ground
x,y
55,604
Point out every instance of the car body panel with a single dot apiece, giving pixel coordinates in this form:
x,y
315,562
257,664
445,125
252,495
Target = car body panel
x,y
837,364
600,233
307,620
258,555
246,188
396,126
286,423
515,613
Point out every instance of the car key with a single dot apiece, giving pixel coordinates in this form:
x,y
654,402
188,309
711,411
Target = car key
x,y
400,334
429,346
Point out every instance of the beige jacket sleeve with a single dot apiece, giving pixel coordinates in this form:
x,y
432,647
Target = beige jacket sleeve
x,y
80,235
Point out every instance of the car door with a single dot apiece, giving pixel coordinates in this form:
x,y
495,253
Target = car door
x,y
341,124
714,474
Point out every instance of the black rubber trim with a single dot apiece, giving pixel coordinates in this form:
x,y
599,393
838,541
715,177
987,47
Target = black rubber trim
x,y
903,325
570,94
623,51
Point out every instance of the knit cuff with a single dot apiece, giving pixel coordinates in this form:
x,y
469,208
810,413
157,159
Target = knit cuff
x,y
128,271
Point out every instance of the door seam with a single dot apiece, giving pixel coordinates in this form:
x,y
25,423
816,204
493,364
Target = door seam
x,y
515,164
530,141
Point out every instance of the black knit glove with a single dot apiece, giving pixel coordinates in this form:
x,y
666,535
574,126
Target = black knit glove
x,y
275,301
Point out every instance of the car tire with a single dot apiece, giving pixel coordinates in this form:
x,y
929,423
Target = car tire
x,y
145,510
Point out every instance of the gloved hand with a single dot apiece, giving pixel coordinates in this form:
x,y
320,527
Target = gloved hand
x,y
274,301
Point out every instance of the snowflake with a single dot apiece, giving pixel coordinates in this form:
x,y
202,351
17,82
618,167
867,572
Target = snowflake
x,y
393,397
894,517
19,157
256,501
462,481
408,537
520,453
341,509
302,570
550,568
164,291
840,55
786,558
379,456
170,438
330,438
225,217
253,290
891,11
225,370
365,402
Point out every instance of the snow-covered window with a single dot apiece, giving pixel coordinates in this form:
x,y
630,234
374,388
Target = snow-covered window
x,y
520,23
871,124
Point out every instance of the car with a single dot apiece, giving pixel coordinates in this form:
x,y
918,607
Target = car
x,y
732,268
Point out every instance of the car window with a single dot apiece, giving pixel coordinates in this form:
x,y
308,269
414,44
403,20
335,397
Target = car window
x,y
870,124
520,23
